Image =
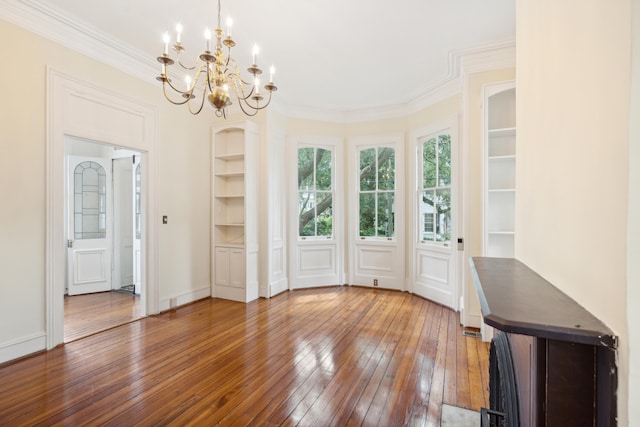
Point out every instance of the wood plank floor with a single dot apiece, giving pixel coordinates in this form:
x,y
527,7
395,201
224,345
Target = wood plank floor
x,y
87,314
330,356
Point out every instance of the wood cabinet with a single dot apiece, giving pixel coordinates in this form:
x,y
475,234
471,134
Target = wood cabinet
x,y
499,169
235,211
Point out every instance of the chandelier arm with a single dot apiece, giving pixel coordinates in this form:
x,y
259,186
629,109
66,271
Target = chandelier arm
x,y
238,85
254,111
208,80
258,107
164,90
204,91
241,94
267,103
236,72
185,67
175,88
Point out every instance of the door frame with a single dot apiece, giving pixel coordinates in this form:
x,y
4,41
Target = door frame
x,y
331,273
87,111
380,275
454,251
124,156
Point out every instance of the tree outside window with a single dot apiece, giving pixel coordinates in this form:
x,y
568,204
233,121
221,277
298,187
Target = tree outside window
x,y
377,192
435,192
315,192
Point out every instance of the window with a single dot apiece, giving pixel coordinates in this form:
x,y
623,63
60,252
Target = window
x,y
90,201
315,192
434,192
377,192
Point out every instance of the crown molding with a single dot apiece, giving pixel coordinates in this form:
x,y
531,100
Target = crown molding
x,y
461,62
50,23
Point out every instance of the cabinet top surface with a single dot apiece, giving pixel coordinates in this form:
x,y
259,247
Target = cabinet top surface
x,y
516,299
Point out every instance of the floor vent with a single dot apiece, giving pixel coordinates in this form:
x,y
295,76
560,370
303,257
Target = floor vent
x,y
471,332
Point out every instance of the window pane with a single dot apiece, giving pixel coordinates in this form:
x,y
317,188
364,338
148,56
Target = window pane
x,y
385,215
307,218
89,201
429,163
443,215
427,216
323,169
368,169
324,211
305,168
386,169
444,160
367,214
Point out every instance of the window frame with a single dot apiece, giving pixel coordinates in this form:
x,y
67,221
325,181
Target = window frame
x,y
377,191
332,191
421,189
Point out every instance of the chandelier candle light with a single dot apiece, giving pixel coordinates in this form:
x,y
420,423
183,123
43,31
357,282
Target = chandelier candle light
x,y
215,73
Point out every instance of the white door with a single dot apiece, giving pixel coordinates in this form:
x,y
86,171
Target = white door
x,y
376,196
123,229
315,233
89,240
137,225
434,206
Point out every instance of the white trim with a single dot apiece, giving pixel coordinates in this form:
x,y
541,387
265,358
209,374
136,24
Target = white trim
x,y
50,22
24,346
274,191
185,298
451,125
60,121
336,145
397,246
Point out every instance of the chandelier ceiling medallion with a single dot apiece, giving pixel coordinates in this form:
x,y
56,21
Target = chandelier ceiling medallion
x,y
214,76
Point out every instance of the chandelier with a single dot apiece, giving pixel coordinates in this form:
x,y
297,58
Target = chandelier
x,y
214,76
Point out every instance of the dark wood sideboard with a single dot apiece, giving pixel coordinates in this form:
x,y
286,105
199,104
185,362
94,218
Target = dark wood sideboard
x,y
563,357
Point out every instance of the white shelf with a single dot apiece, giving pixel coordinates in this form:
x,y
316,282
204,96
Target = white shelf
x,y
500,170
230,174
234,192
502,132
498,158
229,245
238,156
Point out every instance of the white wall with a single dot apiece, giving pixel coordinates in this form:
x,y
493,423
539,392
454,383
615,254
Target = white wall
x,y
572,107
184,189
633,231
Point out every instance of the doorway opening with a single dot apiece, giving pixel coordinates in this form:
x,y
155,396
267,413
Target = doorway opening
x,y
103,193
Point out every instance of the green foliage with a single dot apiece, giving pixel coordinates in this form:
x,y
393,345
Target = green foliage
x,y
436,195
377,190
315,204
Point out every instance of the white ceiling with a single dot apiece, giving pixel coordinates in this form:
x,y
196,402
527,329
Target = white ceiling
x,y
340,55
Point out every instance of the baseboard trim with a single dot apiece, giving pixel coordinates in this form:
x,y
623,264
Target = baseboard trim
x,y
23,347
185,298
279,286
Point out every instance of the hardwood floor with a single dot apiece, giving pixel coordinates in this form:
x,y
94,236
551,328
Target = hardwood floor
x,y
330,356
87,314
